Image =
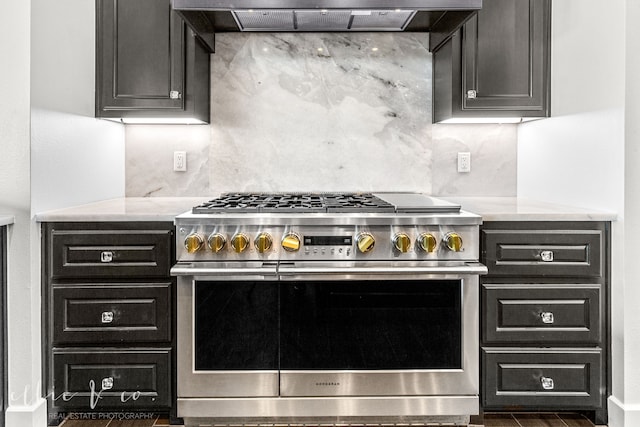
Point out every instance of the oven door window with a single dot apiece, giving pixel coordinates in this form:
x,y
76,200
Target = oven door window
x,y
236,325
371,325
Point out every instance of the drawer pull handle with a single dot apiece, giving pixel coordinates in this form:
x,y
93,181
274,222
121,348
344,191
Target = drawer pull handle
x,y
107,316
106,256
547,383
547,256
547,317
107,383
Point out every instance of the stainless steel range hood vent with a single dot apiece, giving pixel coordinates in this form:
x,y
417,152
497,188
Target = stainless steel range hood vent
x,y
439,17
322,20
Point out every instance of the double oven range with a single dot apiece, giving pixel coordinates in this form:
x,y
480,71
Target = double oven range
x,y
327,308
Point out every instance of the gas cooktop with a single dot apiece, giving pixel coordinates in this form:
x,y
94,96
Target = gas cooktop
x,y
324,202
239,227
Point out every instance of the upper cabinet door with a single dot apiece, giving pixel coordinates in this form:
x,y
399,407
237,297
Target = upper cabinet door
x,y
147,64
505,58
142,56
497,66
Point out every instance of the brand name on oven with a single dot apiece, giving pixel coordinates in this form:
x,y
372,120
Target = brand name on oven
x,y
327,384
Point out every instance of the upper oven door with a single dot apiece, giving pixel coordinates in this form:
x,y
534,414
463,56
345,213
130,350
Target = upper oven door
x,y
379,329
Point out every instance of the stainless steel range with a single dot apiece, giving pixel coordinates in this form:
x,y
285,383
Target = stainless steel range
x,y
327,308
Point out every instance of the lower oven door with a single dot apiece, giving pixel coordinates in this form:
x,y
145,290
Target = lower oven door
x,y
390,330
227,330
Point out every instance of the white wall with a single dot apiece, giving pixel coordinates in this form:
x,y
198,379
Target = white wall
x,y
75,158
628,337
576,156
25,406
584,156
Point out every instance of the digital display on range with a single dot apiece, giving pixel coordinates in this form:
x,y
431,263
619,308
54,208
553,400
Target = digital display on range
x,y
328,240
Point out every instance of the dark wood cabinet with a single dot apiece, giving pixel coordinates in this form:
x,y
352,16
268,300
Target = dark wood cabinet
x,y
497,66
109,253
112,313
535,313
149,65
543,378
548,253
545,317
108,303
121,379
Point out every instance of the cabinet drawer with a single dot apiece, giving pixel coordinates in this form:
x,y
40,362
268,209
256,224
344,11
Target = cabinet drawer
x,y
95,379
110,253
111,313
541,313
555,253
541,379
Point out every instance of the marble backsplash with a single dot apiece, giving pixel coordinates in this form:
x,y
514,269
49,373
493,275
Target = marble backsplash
x,y
321,112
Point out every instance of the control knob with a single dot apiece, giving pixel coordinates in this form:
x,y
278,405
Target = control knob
x,y
402,242
453,241
290,242
427,242
193,243
239,242
365,242
217,242
263,242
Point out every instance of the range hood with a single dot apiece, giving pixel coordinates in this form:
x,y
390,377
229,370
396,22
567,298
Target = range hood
x,y
441,18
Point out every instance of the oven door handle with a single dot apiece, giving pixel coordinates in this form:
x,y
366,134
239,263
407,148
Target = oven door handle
x,y
212,270
466,268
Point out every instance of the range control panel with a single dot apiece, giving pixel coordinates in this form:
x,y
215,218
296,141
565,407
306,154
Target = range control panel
x,y
251,243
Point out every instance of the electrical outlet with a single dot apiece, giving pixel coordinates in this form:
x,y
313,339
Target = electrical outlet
x,y
464,162
180,161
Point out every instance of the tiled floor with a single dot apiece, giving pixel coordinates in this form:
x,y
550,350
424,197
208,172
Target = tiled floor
x,y
490,420
536,420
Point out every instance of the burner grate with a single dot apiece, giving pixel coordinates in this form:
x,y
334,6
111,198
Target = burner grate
x,y
357,203
294,203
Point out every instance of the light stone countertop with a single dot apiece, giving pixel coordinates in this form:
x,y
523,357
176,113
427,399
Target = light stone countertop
x,y
124,209
166,208
6,220
521,209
